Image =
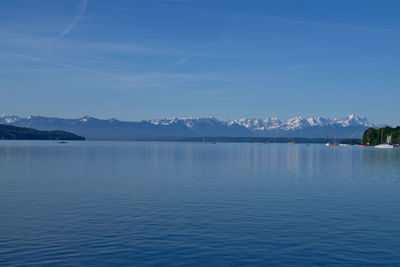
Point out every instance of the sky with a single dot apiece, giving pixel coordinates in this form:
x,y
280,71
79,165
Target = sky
x,y
153,59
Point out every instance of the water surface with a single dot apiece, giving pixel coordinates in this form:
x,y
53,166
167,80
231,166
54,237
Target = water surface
x,y
149,203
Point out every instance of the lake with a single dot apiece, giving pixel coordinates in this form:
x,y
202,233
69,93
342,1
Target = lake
x,y
166,203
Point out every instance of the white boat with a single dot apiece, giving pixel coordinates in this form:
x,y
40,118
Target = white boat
x,y
384,146
388,143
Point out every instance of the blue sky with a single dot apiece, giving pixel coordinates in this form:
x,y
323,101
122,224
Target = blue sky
x,y
148,59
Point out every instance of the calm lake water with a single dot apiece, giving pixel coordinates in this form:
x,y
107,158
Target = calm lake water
x,y
150,203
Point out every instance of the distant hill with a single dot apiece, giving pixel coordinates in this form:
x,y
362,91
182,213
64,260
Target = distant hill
x,y
351,126
9,132
377,136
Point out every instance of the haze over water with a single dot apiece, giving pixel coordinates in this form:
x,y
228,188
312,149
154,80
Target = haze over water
x,y
142,203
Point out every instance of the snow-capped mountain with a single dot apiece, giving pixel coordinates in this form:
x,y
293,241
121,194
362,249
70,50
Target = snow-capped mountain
x,y
301,123
271,123
351,126
8,119
258,124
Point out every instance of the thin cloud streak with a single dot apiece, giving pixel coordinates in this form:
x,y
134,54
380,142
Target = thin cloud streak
x,y
40,60
310,23
130,81
133,48
82,11
181,61
298,67
254,17
66,45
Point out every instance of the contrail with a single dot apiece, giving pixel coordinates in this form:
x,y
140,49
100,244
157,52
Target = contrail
x,y
66,66
82,11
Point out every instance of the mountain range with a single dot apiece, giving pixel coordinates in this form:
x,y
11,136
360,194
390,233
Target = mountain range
x,y
352,126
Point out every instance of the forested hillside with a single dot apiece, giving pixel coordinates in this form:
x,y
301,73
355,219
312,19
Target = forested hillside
x,y
378,136
8,132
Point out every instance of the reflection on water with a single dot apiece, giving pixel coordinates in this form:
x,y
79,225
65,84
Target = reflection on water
x,y
137,203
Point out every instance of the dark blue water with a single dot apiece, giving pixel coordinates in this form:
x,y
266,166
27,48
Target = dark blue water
x,y
138,203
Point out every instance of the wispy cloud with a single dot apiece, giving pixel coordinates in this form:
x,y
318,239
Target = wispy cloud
x,y
329,24
310,23
181,61
130,80
66,66
82,11
133,48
